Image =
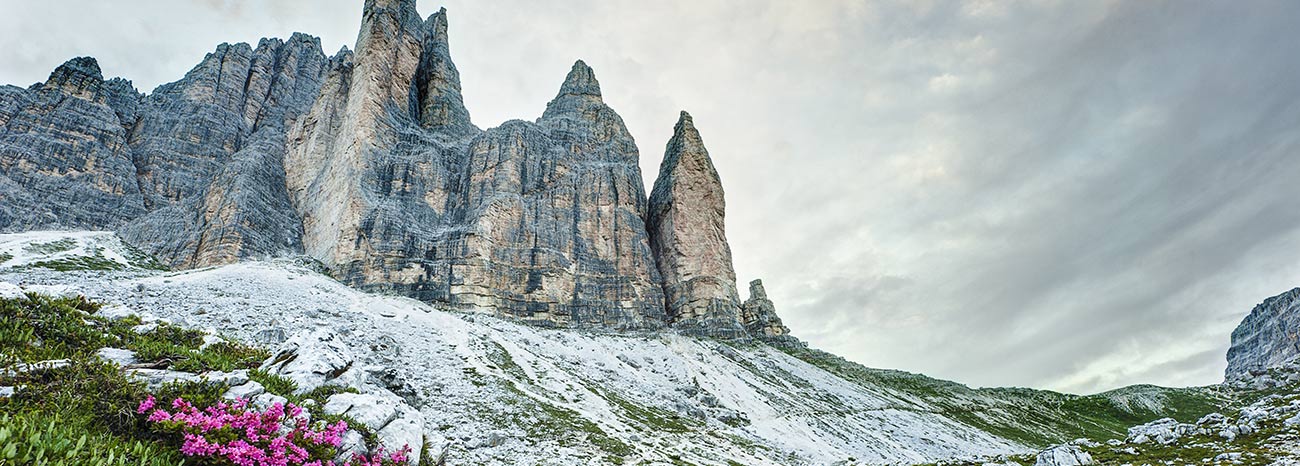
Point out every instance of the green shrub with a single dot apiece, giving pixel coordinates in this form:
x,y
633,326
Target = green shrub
x,y
39,439
274,384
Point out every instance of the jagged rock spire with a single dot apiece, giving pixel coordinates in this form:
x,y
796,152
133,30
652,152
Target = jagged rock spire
x,y
687,234
440,105
581,80
579,94
79,77
759,316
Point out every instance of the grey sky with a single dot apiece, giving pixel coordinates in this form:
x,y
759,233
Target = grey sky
x,y
1057,194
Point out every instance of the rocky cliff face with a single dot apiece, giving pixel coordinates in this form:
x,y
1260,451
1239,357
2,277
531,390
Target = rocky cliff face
x,y
1268,337
65,160
368,161
687,233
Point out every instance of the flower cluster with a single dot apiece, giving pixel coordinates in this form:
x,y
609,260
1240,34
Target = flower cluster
x,y
279,436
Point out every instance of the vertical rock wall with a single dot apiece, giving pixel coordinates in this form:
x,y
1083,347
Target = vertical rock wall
x,y
687,233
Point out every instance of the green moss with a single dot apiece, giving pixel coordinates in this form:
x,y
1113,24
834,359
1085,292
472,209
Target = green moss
x,y
68,264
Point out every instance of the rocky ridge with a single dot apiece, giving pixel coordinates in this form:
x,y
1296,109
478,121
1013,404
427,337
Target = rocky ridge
x,y
368,162
1269,336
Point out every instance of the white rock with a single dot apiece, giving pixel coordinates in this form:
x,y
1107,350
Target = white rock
x,y
1163,431
232,378
394,422
58,291
209,340
373,411
246,391
265,400
122,357
6,392
11,291
154,379
311,359
352,444
1292,421
1063,455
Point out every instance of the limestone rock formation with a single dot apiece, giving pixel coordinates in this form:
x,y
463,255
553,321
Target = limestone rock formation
x,y
758,315
1268,337
209,152
688,236
399,191
368,162
64,155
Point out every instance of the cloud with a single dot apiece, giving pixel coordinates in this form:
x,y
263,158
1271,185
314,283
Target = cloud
x,y
1068,195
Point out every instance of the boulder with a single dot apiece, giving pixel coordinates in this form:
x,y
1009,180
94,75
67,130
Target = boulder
x,y
312,359
121,357
1063,455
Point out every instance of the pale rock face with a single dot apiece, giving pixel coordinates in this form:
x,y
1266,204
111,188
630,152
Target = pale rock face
x,y
1268,337
369,163
689,240
209,154
312,359
394,422
399,191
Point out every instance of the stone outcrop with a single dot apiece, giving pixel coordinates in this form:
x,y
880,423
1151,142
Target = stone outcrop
x,y
758,315
1268,337
399,191
368,162
689,240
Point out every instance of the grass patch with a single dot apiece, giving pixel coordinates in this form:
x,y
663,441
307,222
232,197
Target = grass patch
x,y
52,247
274,384
1037,418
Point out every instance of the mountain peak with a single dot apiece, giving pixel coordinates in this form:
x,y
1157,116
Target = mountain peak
x,y
79,77
440,105
580,81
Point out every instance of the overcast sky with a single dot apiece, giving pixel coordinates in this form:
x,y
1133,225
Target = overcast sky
x,y
1057,194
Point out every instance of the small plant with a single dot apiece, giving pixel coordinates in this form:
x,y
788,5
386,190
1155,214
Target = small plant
x,y
274,384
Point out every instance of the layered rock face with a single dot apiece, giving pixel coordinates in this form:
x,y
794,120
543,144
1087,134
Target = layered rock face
x,y
689,240
368,161
192,173
64,154
1268,337
209,154
398,190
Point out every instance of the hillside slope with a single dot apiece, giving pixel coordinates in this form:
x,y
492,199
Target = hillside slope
x,y
492,391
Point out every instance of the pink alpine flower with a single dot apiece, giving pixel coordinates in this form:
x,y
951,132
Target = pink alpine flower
x,y
280,435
